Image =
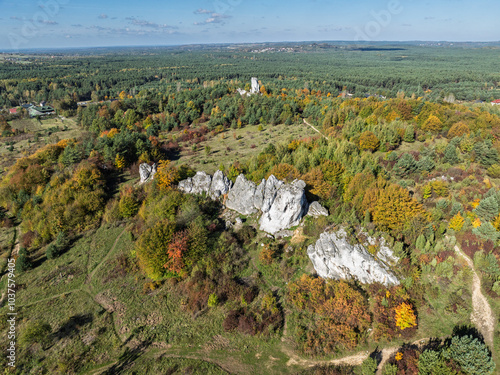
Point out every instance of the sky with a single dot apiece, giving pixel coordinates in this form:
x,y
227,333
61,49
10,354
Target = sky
x,y
101,23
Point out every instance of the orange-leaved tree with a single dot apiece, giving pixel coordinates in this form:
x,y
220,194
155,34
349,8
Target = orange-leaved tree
x,y
177,249
336,314
458,129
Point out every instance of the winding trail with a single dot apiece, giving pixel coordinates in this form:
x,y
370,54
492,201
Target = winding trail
x,y
316,130
105,258
482,315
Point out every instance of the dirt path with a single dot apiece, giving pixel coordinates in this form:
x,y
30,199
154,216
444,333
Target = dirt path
x,y
105,258
389,352
316,130
17,246
352,360
482,315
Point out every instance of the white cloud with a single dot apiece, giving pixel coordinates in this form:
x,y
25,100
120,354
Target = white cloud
x,y
148,24
102,16
212,19
203,11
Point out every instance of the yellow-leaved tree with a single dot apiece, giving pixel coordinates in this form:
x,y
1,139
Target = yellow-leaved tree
x,y
119,162
496,223
456,222
405,316
166,174
432,124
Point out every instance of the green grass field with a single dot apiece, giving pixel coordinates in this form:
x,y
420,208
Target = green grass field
x,y
37,133
237,145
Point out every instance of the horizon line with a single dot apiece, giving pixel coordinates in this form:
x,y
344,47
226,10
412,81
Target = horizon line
x,y
351,42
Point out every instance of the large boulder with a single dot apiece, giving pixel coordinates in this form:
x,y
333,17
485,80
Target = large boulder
x,y
335,258
220,185
241,197
287,208
147,172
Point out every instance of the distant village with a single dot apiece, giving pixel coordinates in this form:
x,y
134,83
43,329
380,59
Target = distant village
x,y
43,109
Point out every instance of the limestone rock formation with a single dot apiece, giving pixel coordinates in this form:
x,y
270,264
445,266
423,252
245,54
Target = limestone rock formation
x,y
334,257
220,185
282,205
147,172
204,183
241,197
317,210
199,183
287,208
384,253
266,193
255,86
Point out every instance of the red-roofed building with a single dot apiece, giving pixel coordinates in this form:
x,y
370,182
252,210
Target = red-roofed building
x,y
13,111
495,102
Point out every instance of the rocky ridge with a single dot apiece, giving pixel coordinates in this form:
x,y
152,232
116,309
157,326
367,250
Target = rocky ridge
x,y
335,258
282,205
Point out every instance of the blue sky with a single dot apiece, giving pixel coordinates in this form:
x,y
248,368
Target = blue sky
x,y
71,23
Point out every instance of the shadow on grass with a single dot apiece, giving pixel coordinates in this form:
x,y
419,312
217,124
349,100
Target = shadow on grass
x,y
72,326
128,358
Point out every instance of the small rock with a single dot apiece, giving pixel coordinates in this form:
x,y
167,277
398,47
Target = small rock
x,y
283,233
317,210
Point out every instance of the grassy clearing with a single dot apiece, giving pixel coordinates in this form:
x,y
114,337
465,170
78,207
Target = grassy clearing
x,y
37,133
237,145
81,335
451,302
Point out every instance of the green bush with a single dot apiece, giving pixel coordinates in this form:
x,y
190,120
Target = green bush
x,y
472,355
494,171
52,251
35,332
450,154
23,262
128,206
487,208
368,367
405,165
431,362
390,369
213,301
